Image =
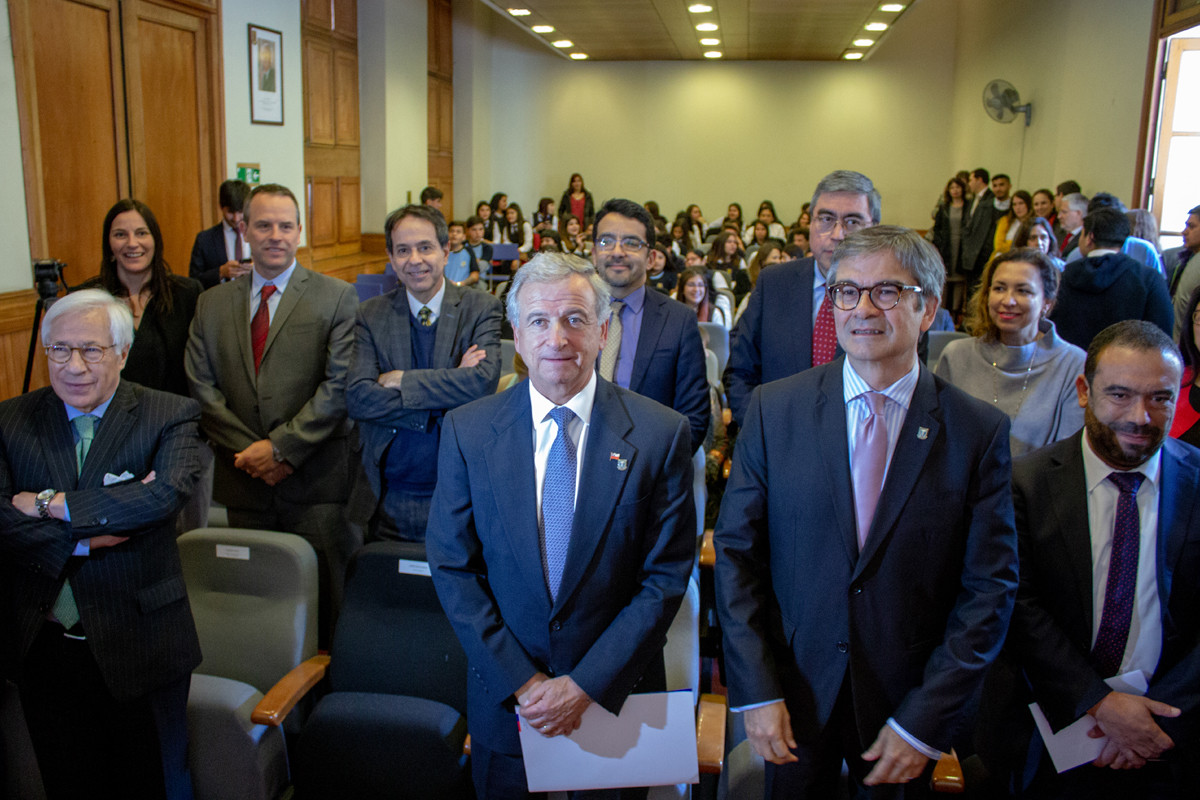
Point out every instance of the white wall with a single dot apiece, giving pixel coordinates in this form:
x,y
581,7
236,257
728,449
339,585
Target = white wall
x,y
278,149
15,272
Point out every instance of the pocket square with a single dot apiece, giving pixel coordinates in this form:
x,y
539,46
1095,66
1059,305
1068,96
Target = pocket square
x,y
110,479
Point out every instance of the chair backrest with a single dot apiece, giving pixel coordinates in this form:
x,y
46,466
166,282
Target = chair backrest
x,y
712,368
254,598
938,341
681,655
718,342
392,635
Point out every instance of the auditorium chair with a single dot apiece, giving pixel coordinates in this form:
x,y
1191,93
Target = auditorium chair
x,y
718,342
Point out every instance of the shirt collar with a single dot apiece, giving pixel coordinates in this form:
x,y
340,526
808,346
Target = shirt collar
x,y
581,403
1096,252
1095,471
434,304
819,280
853,385
98,411
280,281
634,300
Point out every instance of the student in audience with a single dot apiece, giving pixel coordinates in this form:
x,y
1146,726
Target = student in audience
x,y
1108,286
798,237
769,254
544,218
695,258
660,222
220,253
760,234
482,250
517,231
680,241
574,240
727,264
1020,211
461,267
577,201
491,224
1016,360
661,274
805,218
948,223
1187,412
695,292
408,370
733,215
766,213
498,203
695,224
432,196
1039,234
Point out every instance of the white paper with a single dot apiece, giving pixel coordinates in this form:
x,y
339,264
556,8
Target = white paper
x,y
1072,746
651,743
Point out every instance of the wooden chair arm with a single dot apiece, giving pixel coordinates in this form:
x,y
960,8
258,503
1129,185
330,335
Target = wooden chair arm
x,y
284,695
710,733
726,467
708,552
948,775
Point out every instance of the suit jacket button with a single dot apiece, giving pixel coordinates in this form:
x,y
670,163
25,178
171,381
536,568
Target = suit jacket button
x,y
843,647
556,626
856,590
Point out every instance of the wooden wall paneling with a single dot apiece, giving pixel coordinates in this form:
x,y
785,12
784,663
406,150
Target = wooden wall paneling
x,y
16,321
345,19
345,91
171,129
322,213
440,47
349,199
318,13
440,94
318,92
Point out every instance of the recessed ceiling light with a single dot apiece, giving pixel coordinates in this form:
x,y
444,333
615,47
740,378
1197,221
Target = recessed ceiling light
x,y
519,12
876,26
707,26
852,56
892,8
710,42
713,54
699,8
857,42
579,56
543,28
563,43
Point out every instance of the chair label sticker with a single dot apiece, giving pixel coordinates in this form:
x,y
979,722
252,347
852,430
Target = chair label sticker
x,y
233,551
410,567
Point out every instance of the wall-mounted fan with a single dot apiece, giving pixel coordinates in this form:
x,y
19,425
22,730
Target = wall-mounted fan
x,y
1002,102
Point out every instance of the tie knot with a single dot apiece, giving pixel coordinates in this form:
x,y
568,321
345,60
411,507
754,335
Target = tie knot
x,y
616,307
875,401
1127,482
85,425
425,315
562,416
268,289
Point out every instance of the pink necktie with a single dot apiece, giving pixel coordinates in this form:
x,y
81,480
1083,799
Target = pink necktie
x,y
824,334
869,464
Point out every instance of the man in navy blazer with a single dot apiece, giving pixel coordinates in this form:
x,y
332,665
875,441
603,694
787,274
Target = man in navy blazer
x,y
774,337
102,640
1065,511
215,257
659,352
550,634
858,624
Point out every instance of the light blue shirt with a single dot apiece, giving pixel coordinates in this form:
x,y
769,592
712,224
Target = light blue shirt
x,y
280,283
631,328
1139,250
83,546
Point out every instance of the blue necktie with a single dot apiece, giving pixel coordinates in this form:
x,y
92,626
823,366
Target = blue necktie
x,y
1122,576
558,500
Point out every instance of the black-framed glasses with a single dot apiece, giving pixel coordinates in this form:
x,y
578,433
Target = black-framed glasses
x,y
825,222
92,353
884,295
630,244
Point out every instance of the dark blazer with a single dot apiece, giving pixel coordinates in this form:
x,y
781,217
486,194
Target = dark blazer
x,y
978,232
774,337
131,597
297,399
917,616
383,342
1051,635
208,254
669,364
627,567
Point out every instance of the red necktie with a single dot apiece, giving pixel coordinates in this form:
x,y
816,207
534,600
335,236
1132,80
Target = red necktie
x,y
239,245
824,334
261,324
1119,591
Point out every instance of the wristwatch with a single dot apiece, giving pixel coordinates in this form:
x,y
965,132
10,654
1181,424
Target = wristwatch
x,y
42,502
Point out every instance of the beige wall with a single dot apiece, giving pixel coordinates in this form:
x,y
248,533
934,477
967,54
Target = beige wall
x,y
15,272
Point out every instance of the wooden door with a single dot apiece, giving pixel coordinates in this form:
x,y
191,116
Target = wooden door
x,y
440,111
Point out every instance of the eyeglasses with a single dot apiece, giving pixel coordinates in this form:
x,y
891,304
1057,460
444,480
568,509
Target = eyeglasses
x,y
92,353
884,296
826,222
630,244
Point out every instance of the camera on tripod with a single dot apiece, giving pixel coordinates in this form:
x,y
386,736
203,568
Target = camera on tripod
x,y
47,280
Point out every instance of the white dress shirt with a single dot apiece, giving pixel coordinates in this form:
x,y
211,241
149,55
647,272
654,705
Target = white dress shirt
x,y
231,244
545,431
434,304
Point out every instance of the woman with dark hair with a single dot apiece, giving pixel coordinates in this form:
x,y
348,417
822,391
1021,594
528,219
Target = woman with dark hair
x,y
695,292
695,224
1187,409
1043,206
545,218
491,227
733,215
1015,359
572,237
766,213
680,241
516,230
769,254
948,222
1038,233
133,268
1020,212
727,264
577,200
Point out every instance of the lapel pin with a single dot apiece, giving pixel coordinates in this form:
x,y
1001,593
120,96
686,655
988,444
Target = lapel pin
x,y
614,456
922,433
622,464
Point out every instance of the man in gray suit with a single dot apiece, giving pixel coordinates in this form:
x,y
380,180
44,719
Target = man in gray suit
x,y
267,360
95,626
420,350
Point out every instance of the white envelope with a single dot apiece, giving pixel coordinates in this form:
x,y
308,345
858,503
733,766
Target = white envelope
x,y
651,743
1071,747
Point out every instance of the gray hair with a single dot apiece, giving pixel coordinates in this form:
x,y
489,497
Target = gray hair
x,y
845,180
1076,202
915,254
551,267
120,319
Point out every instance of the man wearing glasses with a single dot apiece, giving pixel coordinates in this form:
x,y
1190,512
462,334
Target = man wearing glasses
x,y
788,324
866,555
654,345
95,626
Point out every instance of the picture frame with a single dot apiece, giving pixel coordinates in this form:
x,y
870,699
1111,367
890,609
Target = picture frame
x,y
265,47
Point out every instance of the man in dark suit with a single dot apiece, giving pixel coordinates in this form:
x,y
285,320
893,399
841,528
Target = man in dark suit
x,y
420,350
767,343
267,360
980,227
1073,208
562,530
654,345
219,253
1110,578
866,558
93,471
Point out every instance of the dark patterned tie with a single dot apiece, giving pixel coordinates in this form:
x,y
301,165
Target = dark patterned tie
x,y
425,315
824,334
558,500
1122,576
612,347
261,324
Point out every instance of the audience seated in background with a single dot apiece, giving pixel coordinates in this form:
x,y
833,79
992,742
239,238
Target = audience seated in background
x,y
1139,250
462,268
695,292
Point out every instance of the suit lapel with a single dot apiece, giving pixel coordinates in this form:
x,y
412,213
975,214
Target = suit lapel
x,y
58,443
1069,507
600,485
243,287
112,432
830,412
296,287
654,317
447,327
515,490
912,449
400,327
1176,502
802,353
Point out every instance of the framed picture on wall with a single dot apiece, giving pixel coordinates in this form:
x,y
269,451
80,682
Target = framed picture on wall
x,y
266,76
